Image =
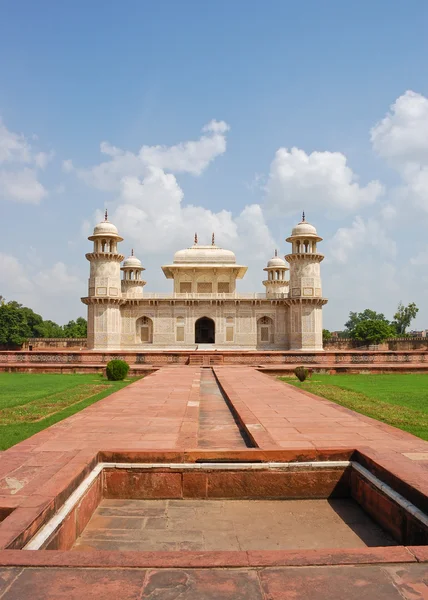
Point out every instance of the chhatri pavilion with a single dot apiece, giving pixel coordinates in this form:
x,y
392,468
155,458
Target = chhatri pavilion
x,y
204,309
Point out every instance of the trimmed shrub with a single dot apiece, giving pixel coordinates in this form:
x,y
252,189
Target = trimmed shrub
x,y
301,373
117,370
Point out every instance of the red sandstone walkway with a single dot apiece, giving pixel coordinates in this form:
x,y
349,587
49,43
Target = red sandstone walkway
x,y
162,412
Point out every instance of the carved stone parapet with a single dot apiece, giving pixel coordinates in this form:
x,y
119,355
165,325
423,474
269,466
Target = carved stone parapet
x,y
105,256
102,300
132,282
304,300
305,256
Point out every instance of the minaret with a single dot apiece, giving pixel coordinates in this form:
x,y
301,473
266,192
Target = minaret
x,y
132,283
305,297
104,293
276,284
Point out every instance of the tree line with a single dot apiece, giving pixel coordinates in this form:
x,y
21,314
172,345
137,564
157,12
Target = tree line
x,y
18,323
371,327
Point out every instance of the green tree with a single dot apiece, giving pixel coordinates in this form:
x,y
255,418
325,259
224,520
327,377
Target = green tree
x,y
18,323
14,329
367,315
50,329
326,335
372,331
404,316
76,329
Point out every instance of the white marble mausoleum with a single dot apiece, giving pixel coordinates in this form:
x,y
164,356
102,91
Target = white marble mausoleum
x,y
204,308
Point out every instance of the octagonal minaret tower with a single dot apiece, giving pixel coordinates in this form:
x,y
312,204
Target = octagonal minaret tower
x,y
132,282
276,284
104,289
305,297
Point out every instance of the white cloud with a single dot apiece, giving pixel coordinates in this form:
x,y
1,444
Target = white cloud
x,y
150,213
187,157
388,212
402,135
401,138
320,180
54,292
67,166
19,166
21,186
361,236
421,259
12,275
14,147
42,159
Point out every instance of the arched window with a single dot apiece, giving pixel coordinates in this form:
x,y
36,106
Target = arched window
x,y
265,333
145,330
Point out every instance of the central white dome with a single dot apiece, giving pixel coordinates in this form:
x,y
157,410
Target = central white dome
x,y
204,255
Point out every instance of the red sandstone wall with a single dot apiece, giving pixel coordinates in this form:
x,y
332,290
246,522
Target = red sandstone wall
x,y
159,358
395,344
53,343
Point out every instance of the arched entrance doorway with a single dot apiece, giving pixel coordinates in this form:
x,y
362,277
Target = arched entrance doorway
x,y
204,331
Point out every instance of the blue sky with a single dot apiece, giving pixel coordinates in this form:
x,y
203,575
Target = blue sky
x,y
343,83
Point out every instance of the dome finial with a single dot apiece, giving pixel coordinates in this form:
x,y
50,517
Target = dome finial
x,y
132,252
276,252
196,238
303,217
106,216
213,240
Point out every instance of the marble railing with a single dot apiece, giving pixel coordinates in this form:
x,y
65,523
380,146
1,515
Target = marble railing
x,y
211,296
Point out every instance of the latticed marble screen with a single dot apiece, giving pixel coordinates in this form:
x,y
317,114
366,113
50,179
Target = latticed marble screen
x,y
205,287
223,287
185,287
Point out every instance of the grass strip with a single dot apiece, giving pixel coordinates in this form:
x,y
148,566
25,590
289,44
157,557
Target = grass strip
x,y
402,415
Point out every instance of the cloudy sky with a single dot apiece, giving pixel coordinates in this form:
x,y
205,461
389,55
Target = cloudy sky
x,y
221,116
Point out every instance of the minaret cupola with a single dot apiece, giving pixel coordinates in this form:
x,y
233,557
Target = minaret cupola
x,y
105,237
276,284
132,282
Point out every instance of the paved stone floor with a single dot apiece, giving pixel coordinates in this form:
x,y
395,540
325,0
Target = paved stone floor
x,y
393,582
171,410
158,525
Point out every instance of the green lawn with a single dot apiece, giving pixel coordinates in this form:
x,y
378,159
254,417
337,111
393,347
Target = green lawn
x,y
31,402
399,400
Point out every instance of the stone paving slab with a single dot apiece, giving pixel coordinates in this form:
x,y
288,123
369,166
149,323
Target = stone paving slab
x,y
230,525
402,582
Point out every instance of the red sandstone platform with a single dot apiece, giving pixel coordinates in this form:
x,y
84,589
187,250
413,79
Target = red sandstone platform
x,y
170,416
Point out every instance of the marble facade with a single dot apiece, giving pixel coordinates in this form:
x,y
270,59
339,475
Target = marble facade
x,y
204,309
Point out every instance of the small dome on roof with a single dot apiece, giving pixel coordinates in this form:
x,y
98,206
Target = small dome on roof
x,y
132,261
276,261
304,229
105,228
